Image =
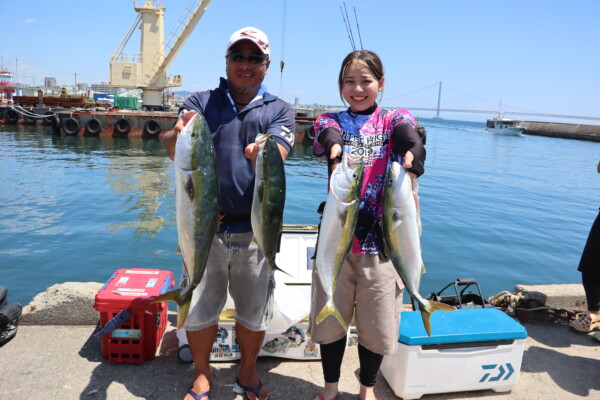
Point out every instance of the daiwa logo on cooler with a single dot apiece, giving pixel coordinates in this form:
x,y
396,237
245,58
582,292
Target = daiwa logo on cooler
x,y
489,377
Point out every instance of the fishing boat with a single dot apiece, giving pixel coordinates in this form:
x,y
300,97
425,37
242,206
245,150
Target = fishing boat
x,y
502,125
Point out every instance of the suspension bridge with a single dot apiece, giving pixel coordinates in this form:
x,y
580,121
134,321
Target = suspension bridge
x,y
439,109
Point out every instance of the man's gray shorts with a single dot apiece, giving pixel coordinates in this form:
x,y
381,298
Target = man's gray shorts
x,y
235,261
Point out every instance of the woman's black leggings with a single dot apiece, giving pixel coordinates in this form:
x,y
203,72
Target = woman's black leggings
x,y
331,360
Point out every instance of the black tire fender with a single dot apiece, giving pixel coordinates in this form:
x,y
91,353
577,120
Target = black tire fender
x,y
93,126
12,116
122,126
152,127
310,133
70,126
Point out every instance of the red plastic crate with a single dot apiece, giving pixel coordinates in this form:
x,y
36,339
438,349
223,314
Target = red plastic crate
x,y
128,293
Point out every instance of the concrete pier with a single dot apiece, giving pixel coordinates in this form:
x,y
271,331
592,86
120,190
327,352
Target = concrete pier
x,y
565,131
558,130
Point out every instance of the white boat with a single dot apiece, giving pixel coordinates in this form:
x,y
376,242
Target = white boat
x,y
503,126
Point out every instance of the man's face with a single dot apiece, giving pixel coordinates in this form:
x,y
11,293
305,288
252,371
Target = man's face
x,y
245,75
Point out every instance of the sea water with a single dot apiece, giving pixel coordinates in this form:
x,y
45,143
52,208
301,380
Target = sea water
x,y
503,210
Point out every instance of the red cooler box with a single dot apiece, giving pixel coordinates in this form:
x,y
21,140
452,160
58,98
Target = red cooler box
x,y
130,327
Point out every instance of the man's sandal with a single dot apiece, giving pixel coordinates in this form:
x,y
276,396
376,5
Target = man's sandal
x,y
255,390
197,396
583,323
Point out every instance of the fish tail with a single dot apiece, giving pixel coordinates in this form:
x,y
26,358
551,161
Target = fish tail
x,y
182,306
182,313
274,267
427,308
330,309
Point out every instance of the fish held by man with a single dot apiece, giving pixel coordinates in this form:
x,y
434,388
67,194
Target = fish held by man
x,y
269,198
338,224
197,205
401,238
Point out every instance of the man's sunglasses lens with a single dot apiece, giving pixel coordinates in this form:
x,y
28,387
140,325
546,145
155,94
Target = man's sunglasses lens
x,y
253,58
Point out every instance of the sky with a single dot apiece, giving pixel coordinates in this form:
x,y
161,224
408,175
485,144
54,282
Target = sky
x,y
538,56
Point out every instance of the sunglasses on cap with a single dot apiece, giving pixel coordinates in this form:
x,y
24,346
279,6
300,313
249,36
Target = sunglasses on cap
x,y
253,58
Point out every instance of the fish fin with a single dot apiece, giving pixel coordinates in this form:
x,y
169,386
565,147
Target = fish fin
x,y
260,190
274,267
330,309
182,313
279,241
428,308
189,188
173,295
183,307
396,219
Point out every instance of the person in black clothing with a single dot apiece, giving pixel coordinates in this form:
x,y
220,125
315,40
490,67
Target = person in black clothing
x,y
590,277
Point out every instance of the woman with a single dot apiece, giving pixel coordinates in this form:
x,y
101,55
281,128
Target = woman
x,y
368,286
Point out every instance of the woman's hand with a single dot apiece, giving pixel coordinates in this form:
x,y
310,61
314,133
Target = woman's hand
x,y
336,151
408,160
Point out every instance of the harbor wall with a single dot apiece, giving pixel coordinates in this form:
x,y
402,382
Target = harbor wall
x,y
560,130
557,129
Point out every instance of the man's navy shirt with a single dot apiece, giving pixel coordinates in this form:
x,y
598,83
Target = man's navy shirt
x,y
232,131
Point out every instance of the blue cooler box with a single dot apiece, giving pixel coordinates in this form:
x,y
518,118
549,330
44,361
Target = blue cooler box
x,y
469,349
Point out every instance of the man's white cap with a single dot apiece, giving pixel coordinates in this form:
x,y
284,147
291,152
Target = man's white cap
x,y
253,34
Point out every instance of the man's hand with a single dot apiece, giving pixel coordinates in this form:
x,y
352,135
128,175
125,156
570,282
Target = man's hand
x,y
251,152
170,138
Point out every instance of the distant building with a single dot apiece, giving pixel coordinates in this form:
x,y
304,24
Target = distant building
x,y
82,86
50,82
103,87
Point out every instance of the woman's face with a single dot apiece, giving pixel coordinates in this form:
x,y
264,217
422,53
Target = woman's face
x,y
360,87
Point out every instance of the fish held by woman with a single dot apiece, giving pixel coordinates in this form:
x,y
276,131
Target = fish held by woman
x,y
197,205
338,224
401,231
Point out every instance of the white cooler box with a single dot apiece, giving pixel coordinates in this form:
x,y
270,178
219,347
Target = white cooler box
x,y
469,349
293,343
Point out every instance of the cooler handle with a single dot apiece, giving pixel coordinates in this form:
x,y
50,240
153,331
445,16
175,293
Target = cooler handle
x,y
109,279
472,350
113,324
167,285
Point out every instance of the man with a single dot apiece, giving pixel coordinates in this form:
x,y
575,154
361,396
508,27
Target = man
x,y
236,111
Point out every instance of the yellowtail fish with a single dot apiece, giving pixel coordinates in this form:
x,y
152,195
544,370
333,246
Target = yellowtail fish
x,y
338,224
401,229
197,205
269,198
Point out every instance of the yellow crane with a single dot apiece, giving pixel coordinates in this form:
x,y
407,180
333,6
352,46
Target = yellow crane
x,y
148,70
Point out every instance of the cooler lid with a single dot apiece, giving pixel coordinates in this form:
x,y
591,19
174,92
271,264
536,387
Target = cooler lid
x,y
128,284
462,325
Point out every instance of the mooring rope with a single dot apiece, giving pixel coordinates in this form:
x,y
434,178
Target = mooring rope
x,y
31,114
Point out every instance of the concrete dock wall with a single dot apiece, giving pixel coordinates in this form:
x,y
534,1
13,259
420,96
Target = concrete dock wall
x,y
565,131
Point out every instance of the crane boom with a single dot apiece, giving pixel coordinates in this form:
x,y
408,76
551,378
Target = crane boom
x,y
183,36
149,71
